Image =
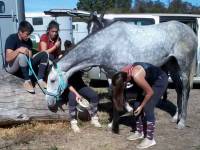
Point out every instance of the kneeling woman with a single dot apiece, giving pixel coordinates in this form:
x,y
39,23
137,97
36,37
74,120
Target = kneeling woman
x,y
151,82
78,89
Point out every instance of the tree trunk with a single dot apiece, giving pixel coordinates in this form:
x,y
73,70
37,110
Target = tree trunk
x,y
17,105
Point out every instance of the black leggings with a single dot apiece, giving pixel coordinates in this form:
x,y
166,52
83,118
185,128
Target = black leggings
x,y
40,62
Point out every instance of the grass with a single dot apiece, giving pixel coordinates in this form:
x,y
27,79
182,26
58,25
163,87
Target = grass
x,y
25,133
53,148
198,147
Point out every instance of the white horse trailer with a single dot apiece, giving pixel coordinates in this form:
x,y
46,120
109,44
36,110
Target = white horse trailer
x,y
11,13
40,23
79,31
139,19
191,20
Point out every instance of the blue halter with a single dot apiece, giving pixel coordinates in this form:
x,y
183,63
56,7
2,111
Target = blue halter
x,y
62,85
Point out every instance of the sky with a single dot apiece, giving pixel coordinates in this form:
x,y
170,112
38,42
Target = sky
x,y
42,5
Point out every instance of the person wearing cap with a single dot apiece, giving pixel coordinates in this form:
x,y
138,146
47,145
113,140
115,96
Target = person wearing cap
x,y
150,83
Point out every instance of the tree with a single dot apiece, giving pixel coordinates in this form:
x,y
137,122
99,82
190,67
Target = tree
x,y
95,5
176,6
114,6
122,6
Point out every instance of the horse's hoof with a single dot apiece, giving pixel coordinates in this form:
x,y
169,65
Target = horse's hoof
x,y
181,124
115,130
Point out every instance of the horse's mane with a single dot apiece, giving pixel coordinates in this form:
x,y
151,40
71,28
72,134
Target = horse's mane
x,y
88,36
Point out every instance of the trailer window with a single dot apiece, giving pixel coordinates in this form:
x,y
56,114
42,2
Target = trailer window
x,y
138,21
2,7
37,21
193,25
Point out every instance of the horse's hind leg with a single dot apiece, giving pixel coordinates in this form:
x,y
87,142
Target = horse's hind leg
x,y
179,89
181,83
182,86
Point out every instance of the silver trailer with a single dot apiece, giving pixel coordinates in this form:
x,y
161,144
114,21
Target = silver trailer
x,y
11,13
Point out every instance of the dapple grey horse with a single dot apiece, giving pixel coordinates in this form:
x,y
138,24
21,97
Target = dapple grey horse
x,y
172,44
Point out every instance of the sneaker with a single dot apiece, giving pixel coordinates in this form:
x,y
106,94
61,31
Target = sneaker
x,y
42,84
95,121
110,124
74,126
135,136
146,143
28,86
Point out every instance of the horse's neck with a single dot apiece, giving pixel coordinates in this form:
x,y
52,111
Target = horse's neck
x,y
78,59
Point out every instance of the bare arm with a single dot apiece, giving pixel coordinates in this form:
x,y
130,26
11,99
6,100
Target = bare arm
x,y
43,46
11,54
141,82
138,74
78,96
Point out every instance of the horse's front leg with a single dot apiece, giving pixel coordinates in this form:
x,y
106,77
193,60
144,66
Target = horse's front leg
x,y
115,121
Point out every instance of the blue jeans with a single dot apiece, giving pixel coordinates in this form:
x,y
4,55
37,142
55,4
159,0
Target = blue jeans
x,y
159,88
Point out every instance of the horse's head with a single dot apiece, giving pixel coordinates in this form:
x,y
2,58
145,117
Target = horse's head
x,y
95,24
55,85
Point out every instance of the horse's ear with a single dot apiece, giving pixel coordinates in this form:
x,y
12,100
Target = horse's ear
x,y
93,15
101,17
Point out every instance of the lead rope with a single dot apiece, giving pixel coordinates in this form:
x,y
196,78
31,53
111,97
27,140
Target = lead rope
x,y
62,84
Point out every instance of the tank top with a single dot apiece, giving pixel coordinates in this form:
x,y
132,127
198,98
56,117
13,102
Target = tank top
x,y
152,72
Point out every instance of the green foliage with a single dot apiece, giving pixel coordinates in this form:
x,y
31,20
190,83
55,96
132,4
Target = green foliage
x,y
53,148
140,6
115,6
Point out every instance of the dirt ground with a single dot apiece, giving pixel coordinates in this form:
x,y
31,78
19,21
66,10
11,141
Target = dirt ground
x,y
59,136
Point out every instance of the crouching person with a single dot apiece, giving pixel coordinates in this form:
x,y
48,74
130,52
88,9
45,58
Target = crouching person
x,y
151,82
78,89
75,92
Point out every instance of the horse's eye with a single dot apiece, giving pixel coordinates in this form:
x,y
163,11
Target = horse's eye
x,y
52,80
